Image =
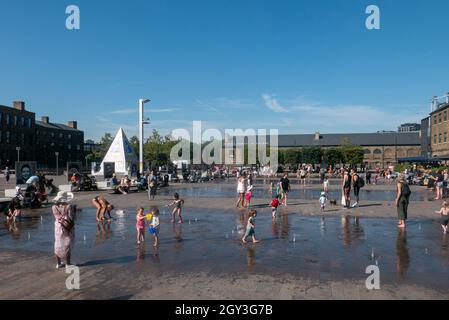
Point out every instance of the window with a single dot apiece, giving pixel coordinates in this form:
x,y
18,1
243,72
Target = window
x,y
22,121
445,115
435,139
439,138
445,137
439,118
1,138
69,136
69,146
52,145
52,134
30,123
22,139
78,147
16,121
7,119
8,137
61,135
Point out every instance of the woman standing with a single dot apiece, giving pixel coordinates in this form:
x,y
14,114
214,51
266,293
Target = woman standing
x,y
241,189
152,185
346,186
402,200
64,214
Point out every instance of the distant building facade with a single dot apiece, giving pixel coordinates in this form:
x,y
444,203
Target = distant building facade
x,y
37,140
439,127
409,127
380,149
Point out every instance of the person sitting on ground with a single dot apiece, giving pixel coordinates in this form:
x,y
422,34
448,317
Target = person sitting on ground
x,y
125,185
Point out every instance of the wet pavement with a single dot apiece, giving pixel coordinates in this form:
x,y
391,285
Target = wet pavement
x,y
331,248
310,193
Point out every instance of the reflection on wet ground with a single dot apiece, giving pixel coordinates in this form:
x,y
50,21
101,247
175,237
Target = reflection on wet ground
x,y
229,191
329,248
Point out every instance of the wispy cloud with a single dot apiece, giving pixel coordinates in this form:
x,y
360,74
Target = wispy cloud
x,y
272,103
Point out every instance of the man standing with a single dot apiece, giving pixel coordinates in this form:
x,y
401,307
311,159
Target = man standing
x,y
356,186
285,189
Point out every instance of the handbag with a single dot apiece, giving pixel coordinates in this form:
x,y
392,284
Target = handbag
x,y
65,221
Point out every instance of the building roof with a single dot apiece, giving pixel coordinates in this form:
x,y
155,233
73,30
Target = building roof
x,y
356,139
55,126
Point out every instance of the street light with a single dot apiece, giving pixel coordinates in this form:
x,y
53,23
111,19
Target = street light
x,y
57,163
18,154
142,122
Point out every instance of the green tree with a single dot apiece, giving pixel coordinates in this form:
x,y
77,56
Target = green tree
x,y
312,155
334,156
292,156
353,155
134,141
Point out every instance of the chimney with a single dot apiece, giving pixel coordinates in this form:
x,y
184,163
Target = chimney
x,y
45,119
19,105
73,124
317,136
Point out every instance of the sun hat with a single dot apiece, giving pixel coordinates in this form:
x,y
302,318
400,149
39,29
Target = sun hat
x,y
63,197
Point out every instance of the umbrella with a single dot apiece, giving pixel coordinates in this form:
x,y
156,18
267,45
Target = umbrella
x,y
33,179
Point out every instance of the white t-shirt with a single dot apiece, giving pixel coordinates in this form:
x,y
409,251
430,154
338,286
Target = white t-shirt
x,y
323,201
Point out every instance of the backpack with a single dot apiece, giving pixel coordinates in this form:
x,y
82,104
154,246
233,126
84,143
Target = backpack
x,y
361,182
405,190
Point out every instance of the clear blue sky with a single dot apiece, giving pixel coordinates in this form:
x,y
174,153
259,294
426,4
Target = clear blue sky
x,y
300,66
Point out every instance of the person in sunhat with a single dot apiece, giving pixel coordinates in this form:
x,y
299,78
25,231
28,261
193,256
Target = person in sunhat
x,y
65,215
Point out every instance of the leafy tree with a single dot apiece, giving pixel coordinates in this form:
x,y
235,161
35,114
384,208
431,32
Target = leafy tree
x,y
334,156
292,156
312,155
353,154
134,141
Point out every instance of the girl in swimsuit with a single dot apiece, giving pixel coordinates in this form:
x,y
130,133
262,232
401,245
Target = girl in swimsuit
x,y
178,204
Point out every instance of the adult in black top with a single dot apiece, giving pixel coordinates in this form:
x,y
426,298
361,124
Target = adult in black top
x,y
356,187
285,189
347,188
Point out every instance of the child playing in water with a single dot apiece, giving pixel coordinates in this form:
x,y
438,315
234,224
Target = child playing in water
x,y
274,207
178,203
140,225
323,201
155,225
444,216
250,227
248,197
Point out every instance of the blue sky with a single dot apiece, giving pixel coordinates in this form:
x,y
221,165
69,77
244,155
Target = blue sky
x,y
299,66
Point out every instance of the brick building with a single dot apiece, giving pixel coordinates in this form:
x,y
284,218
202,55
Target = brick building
x,y
37,140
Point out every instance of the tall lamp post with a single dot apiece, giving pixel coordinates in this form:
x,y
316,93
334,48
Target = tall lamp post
x,y
18,154
142,122
57,163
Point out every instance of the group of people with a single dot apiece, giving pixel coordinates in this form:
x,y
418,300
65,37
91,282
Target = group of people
x,y
123,187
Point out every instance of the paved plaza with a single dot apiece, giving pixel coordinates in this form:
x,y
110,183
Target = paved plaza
x,y
303,254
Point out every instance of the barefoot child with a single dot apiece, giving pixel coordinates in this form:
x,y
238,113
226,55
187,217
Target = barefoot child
x,y
326,185
323,201
250,227
140,225
444,216
178,204
155,225
274,207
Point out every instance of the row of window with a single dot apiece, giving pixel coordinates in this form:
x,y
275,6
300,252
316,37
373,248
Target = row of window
x,y
52,134
440,138
52,145
440,117
24,122
18,139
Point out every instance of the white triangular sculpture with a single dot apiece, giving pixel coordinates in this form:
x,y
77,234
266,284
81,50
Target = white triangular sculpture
x,y
122,154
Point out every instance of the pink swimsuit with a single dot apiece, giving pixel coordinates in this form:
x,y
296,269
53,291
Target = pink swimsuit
x,y
140,224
